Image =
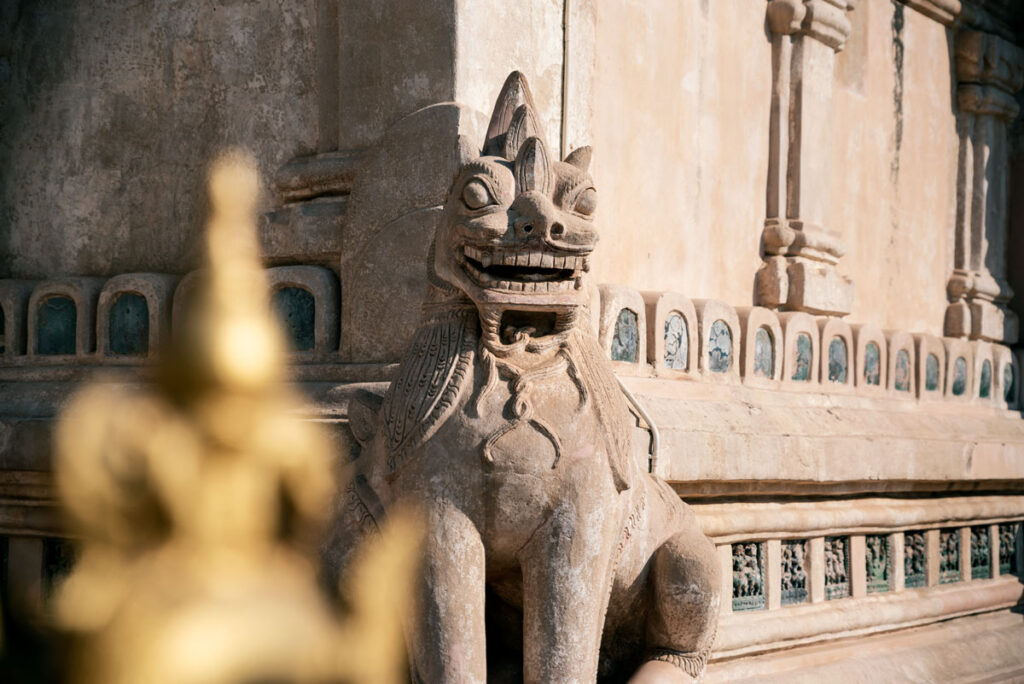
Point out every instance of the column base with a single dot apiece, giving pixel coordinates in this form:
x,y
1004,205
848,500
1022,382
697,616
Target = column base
x,y
799,284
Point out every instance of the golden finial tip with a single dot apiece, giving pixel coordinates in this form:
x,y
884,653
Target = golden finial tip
x,y
234,184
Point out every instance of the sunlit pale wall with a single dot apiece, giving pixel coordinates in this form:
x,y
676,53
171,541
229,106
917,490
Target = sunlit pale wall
x,y
894,167
680,130
680,127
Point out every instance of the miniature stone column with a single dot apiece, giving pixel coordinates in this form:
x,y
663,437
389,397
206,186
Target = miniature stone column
x,y
800,252
989,71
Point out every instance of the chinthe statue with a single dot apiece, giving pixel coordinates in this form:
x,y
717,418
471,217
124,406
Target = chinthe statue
x,y
551,555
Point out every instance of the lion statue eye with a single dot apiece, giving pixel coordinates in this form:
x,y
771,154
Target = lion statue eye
x,y
476,195
586,203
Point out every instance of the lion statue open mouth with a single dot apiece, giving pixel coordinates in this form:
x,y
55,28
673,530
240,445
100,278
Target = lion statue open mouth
x,y
552,555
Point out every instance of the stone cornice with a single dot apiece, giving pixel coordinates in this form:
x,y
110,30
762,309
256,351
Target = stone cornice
x,y
992,16
986,59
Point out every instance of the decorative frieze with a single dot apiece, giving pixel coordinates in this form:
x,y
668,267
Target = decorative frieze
x,y
794,571
748,587
981,553
876,562
949,556
837,567
915,559
1009,539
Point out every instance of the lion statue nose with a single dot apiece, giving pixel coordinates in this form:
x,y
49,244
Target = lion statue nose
x,y
535,217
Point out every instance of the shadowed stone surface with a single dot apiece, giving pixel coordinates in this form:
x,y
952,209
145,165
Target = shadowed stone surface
x,y
296,309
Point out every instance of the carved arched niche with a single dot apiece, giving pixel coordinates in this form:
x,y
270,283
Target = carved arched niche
x,y
62,318
622,329
871,367
837,367
1005,380
14,297
672,343
959,369
719,340
801,350
297,291
931,366
134,314
902,365
761,347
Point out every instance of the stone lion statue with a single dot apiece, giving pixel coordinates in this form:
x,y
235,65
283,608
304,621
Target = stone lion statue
x,y
551,554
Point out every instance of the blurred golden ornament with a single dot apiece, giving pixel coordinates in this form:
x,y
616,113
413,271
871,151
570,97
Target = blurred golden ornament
x,y
200,503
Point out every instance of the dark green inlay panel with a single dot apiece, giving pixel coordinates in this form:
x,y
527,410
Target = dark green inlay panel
x,y
720,347
296,309
764,353
802,371
915,559
837,360
1008,380
959,376
128,328
56,326
872,364
59,556
931,373
794,571
985,382
901,371
876,562
677,342
626,342
1009,534
748,576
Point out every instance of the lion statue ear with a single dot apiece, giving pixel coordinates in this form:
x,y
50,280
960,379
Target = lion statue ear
x,y
580,157
514,93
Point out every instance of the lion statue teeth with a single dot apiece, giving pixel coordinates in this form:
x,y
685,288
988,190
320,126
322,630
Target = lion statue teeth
x,y
551,555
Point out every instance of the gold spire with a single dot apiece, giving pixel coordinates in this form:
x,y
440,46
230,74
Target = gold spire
x,y
200,502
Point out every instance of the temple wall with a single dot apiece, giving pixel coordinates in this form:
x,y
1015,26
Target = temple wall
x,y
681,145
894,166
112,111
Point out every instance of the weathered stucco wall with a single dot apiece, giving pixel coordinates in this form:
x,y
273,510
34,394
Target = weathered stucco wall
x,y
894,166
681,145
111,111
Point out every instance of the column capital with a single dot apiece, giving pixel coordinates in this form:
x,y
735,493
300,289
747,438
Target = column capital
x,y
988,60
823,20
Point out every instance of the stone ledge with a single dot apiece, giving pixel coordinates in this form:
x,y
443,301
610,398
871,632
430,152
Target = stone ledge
x,y
752,632
977,648
731,522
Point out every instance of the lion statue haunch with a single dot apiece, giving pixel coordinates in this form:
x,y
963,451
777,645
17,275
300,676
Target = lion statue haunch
x,y
551,556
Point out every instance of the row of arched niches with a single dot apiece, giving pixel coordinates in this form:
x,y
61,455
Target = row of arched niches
x,y
660,334
125,317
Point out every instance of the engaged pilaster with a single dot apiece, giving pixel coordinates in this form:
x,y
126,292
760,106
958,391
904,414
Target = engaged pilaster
x,y
800,252
989,71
